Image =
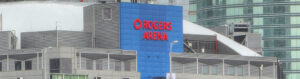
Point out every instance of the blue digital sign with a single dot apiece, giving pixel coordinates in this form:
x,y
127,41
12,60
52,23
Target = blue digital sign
x,y
150,29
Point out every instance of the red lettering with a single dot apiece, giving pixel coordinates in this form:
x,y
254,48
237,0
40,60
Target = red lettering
x,y
165,25
160,35
165,36
145,35
157,27
134,24
169,25
155,24
145,24
150,35
150,26
155,36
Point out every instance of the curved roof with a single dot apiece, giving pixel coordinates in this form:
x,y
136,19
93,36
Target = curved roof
x,y
191,28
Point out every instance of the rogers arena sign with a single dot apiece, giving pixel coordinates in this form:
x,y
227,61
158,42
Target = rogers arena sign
x,y
156,26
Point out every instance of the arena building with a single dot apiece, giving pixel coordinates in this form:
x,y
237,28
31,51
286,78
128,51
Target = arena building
x,y
129,41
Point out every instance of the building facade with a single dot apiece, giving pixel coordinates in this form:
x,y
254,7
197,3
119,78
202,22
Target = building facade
x,y
276,20
129,41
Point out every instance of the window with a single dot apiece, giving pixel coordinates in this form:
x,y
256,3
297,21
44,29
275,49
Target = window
x,y
97,78
28,65
213,70
239,71
231,70
118,65
89,64
0,66
54,65
127,66
99,64
18,65
205,69
107,14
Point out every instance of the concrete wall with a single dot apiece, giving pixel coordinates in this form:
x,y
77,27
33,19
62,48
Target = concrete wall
x,y
107,32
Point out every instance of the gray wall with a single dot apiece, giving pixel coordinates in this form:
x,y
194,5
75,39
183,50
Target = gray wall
x,y
7,40
48,38
107,32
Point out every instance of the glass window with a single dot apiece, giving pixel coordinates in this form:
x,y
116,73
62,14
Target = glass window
x,y
258,21
231,70
99,65
234,11
107,13
18,65
89,64
127,66
213,70
295,0
28,65
75,76
296,54
295,8
240,71
193,18
258,10
193,7
260,31
295,20
67,77
230,21
205,69
97,78
54,65
257,1
118,65
234,1
0,66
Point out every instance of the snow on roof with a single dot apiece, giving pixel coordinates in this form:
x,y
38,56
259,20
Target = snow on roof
x,y
191,28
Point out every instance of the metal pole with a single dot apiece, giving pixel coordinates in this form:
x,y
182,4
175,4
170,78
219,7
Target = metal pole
x,y
249,68
197,61
7,62
45,61
136,62
108,61
170,63
80,60
223,63
37,61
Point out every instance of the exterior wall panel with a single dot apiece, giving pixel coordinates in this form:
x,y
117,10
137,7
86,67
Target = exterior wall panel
x,y
153,55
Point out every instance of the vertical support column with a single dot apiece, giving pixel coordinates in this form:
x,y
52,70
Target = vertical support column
x,y
197,61
94,65
274,71
7,62
249,68
223,67
170,63
216,44
136,62
182,68
108,62
37,61
80,60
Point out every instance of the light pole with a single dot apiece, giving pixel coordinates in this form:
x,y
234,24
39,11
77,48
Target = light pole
x,y
44,62
171,46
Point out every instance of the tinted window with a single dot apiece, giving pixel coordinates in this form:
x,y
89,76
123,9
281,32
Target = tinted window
x,y
18,65
54,65
28,65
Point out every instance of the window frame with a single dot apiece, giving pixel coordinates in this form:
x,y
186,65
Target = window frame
x,y
103,13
